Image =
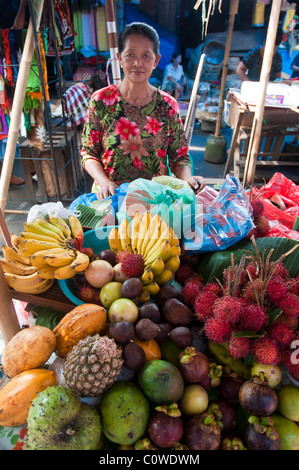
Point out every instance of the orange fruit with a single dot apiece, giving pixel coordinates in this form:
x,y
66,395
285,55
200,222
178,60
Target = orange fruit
x,y
151,349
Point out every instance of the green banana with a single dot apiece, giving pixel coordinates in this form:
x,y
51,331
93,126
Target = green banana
x,y
60,223
222,355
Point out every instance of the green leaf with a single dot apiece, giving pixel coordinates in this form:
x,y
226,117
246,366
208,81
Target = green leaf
x,y
212,265
274,314
296,224
246,334
47,317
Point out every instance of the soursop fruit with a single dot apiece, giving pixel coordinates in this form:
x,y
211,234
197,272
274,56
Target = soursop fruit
x,y
58,420
93,365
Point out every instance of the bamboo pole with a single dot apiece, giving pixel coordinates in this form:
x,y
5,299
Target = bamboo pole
x,y
17,108
112,39
9,324
193,94
234,7
253,148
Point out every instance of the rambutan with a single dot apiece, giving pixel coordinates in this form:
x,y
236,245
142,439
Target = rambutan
x,y
133,265
263,225
227,308
189,292
281,270
88,294
121,256
290,360
197,279
213,287
252,317
257,208
293,285
282,334
265,351
217,330
183,273
290,305
252,269
291,322
253,290
239,346
276,289
203,305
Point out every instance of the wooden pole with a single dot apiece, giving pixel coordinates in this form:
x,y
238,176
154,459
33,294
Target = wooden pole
x,y
9,324
194,93
234,7
17,108
253,148
112,39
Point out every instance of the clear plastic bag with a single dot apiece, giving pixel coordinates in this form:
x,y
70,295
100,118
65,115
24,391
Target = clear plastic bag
x,y
55,209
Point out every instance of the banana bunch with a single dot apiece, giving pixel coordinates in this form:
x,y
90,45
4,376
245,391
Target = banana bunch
x,y
151,237
19,273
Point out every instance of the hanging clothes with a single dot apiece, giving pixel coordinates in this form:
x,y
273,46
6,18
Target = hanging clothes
x,y
6,50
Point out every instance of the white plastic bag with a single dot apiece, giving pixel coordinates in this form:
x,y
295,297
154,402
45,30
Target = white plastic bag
x,y
55,209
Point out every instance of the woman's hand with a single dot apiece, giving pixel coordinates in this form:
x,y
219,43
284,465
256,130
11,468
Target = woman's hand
x,y
196,182
106,190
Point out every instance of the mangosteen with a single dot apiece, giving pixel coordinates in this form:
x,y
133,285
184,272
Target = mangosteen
x,y
234,443
203,432
144,444
229,387
260,434
257,397
193,364
165,427
213,377
228,414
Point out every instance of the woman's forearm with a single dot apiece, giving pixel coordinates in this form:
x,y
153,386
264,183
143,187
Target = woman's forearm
x,y
96,171
183,172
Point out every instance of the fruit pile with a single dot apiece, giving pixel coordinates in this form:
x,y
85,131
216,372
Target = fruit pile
x,y
44,251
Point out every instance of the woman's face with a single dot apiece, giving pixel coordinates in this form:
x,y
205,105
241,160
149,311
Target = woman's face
x,y
177,60
138,58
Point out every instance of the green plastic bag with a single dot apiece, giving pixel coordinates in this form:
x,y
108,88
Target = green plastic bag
x,y
171,197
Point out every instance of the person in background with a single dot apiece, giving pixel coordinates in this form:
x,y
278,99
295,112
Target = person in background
x,y
295,67
99,80
249,69
174,79
132,129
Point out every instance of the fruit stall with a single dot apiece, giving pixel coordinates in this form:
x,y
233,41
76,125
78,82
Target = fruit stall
x,y
159,347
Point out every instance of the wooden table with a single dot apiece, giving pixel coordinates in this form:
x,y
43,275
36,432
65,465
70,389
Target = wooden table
x,y
278,122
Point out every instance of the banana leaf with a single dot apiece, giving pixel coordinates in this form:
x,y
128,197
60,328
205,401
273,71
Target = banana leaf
x,y
212,265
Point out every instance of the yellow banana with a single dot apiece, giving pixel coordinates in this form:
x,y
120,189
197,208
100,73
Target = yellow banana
x,y
144,224
174,251
12,255
81,262
164,278
47,272
31,227
38,258
17,242
37,245
152,234
32,284
60,223
162,251
147,276
17,268
48,226
113,240
174,240
135,230
145,296
76,230
124,235
163,237
157,266
153,288
173,263
60,259
37,236
64,272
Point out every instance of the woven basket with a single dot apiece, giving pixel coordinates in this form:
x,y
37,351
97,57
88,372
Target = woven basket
x,y
210,72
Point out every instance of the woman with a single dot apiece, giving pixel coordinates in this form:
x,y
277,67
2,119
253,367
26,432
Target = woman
x,y
133,130
174,78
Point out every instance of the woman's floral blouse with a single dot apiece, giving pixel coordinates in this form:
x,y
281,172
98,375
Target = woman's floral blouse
x,y
132,141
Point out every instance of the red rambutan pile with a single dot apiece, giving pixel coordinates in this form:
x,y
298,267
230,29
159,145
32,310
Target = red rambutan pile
x,y
252,269
250,290
132,265
189,292
203,305
197,279
228,308
265,351
121,256
291,322
281,271
252,317
217,330
290,305
183,273
293,284
213,287
239,347
276,289
282,334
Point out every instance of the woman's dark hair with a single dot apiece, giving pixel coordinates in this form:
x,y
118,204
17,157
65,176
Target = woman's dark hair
x,y
175,55
142,29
